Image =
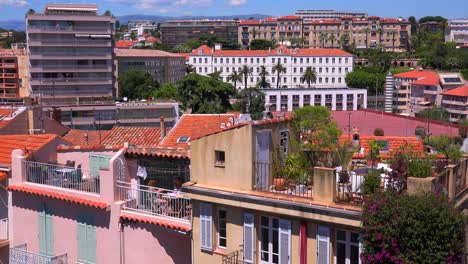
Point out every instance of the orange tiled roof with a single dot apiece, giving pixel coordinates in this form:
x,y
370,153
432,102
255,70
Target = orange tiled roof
x,y
153,40
78,137
394,144
250,22
133,217
291,17
185,55
8,143
194,126
143,53
6,112
59,196
281,50
422,77
3,175
125,44
174,153
460,91
135,135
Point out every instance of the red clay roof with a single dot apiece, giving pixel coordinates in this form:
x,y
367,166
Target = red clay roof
x,y
366,121
168,223
394,144
32,143
153,40
291,17
460,91
3,175
86,137
143,53
59,196
174,153
422,77
250,22
125,44
194,126
7,115
134,135
281,50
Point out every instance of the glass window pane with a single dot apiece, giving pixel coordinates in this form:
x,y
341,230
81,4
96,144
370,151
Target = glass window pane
x,y
341,235
275,241
264,221
341,253
354,237
275,223
222,242
354,256
264,239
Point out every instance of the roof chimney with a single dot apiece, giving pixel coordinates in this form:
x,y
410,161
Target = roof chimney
x,y
162,127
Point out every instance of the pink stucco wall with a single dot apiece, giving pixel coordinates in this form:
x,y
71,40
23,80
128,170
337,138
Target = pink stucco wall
x,y
148,244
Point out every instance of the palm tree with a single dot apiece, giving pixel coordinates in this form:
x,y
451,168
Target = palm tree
x,y
309,76
323,37
30,12
380,31
344,40
246,71
366,31
393,32
189,68
332,38
254,33
278,69
216,76
235,77
263,83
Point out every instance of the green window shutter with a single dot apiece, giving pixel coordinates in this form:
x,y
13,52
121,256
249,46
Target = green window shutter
x,y
82,253
42,230
91,240
46,231
86,239
96,162
49,231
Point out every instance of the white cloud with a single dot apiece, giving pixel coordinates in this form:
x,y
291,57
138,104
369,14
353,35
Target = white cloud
x,y
165,6
237,2
14,2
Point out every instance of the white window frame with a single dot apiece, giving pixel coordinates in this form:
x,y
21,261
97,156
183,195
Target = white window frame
x,y
219,227
271,229
206,224
348,245
325,239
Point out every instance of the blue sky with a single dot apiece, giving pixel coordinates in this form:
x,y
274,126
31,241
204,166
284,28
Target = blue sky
x,y
15,9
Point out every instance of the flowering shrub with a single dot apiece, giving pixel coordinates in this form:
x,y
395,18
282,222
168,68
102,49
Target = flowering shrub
x,y
411,229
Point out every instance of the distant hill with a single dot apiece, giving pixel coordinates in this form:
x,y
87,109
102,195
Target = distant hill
x,y
158,19
18,25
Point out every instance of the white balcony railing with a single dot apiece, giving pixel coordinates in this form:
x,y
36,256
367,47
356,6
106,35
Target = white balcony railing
x,y
4,229
155,201
20,255
61,176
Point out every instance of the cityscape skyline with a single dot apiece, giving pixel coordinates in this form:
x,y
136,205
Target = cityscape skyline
x,y
15,9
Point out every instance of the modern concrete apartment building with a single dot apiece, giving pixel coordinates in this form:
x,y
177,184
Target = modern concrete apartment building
x,y
392,33
70,51
330,65
179,31
308,14
13,74
455,101
457,31
165,67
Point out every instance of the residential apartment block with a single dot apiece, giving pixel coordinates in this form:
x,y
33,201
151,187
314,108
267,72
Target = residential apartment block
x,y
455,101
13,74
330,65
163,66
70,52
392,33
335,99
457,31
310,14
179,31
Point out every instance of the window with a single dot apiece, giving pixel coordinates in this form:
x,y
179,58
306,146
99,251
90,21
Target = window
x,y
284,138
183,139
46,230
275,237
219,158
97,162
323,245
249,231
222,228
86,239
216,60
206,227
347,247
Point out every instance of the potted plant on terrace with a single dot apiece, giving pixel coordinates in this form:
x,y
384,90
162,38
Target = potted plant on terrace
x,y
279,177
343,155
295,168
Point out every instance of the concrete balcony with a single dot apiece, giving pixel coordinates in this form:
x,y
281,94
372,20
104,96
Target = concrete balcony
x,y
8,75
70,30
20,255
71,56
457,111
451,102
69,43
73,81
8,65
70,68
9,86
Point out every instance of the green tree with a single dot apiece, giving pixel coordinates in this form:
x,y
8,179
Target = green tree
x,y
262,44
323,37
445,145
246,71
204,95
133,36
107,13
373,82
279,69
366,31
252,101
434,113
332,39
309,76
344,40
189,68
135,84
263,83
235,77
168,91
30,12
216,76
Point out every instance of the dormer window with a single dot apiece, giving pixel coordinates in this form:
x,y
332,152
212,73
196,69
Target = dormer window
x,y
200,52
183,139
280,51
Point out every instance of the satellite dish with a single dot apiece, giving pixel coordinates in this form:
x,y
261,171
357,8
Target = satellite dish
x,y
125,99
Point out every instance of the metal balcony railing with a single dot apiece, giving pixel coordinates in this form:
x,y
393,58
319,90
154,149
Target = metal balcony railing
x,y
20,255
61,176
155,201
233,258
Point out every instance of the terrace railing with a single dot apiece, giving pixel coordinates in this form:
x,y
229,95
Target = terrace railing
x,y
61,176
20,255
265,181
233,258
155,201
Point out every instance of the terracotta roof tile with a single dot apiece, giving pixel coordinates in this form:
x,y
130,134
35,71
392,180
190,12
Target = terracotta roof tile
x,y
86,137
167,223
7,115
153,40
422,77
291,17
460,91
175,153
89,147
125,44
195,126
144,53
250,22
59,196
8,143
281,50
139,136
3,175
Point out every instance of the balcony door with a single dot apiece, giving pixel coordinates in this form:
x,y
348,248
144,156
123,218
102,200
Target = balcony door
x,y
262,156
